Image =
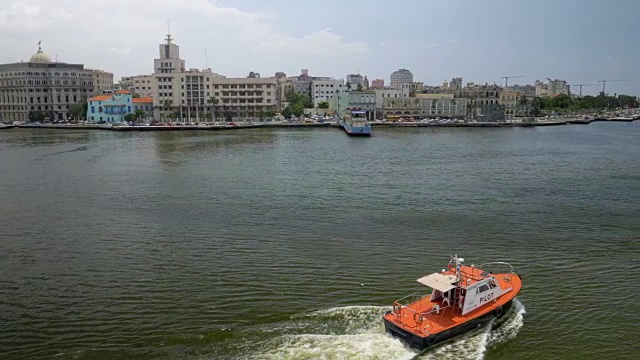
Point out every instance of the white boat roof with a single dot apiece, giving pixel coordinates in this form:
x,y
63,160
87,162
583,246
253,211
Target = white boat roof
x,y
438,281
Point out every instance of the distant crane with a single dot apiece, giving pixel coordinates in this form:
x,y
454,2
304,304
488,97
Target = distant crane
x,y
604,83
581,85
506,79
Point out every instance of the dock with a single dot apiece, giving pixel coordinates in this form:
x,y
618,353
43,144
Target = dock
x,y
298,125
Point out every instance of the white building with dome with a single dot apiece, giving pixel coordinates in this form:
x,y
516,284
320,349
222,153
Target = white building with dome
x,y
47,86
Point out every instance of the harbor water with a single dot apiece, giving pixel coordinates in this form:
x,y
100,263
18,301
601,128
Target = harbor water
x,y
291,243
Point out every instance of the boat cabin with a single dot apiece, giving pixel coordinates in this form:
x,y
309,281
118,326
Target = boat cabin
x,y
356,118
469,290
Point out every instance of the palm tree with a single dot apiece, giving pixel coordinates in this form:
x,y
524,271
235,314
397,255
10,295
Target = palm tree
x,y
213,101
524,102
535,106
166,106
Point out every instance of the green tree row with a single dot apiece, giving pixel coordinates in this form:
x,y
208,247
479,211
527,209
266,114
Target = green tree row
x,y
297,103
600,102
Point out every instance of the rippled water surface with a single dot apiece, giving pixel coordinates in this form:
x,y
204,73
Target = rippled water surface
x,y
290,244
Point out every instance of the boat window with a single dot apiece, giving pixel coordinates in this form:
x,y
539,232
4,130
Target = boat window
x,y
483,288
492,283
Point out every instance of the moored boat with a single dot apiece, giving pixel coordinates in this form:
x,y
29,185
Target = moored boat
x,y
355,124
462,298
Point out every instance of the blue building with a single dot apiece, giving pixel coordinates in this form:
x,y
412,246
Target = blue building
x,y
143,104
110,108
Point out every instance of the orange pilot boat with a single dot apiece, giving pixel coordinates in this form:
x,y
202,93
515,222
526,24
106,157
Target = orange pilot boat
x,y
462,298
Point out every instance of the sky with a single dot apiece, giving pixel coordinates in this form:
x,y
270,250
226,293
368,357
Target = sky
x,y
580,41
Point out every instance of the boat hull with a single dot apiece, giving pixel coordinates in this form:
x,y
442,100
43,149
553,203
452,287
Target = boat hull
x,y
355,130
351,133
421,343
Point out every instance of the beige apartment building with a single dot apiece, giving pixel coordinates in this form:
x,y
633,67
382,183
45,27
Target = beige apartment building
x,y
426,105
509,99
139,84
102,81
187,94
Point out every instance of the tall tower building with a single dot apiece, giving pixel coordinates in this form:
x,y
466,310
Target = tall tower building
x,y
167,78
401,76
169,60
456,83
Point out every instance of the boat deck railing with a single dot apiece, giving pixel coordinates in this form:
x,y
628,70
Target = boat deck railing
x,y
412,304
497,267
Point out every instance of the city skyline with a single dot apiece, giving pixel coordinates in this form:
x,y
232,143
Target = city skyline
x,y
480,42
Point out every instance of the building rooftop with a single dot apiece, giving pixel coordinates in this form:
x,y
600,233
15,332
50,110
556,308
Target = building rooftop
x,y
40,56
100,98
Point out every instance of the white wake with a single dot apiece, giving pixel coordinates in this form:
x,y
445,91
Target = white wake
x,y
357,332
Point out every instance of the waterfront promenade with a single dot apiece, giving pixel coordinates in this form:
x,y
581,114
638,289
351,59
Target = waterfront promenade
x,y
253,125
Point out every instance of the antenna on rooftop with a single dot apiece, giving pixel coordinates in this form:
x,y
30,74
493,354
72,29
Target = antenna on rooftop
x,y
168,32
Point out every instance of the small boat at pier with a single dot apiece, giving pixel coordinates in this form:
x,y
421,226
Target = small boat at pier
x,y
462,298
355,123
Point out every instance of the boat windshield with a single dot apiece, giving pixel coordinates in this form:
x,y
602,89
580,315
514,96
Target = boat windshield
x,y
358,115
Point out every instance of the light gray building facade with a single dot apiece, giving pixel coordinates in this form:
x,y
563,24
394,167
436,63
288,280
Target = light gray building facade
x,y
40,84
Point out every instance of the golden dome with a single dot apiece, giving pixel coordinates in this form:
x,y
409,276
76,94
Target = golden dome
x,y
40,57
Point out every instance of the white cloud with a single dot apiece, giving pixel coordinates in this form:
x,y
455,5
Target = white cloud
x,y
120,51
118,28
21,17
321,42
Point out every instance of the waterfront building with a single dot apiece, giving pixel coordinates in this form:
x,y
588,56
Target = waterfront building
x,y
188,94
425,105
483,101
44,86
143,104
364,101
110,108
377,84
284,85
102,81
381,94
401,76
558,87
456,84
245,98
553,88
509,99
354,80
325,89
541,89
527,90
365,83
412,87
167,78
139,84
302,83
